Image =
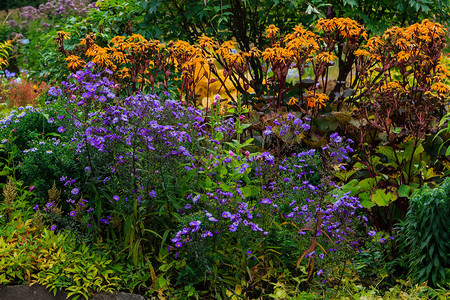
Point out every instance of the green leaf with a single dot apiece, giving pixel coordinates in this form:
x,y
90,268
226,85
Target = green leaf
x,y
223,171
387,151
367,204
405,190
345,175
382,198
247,191
219,136
352,3
247,142
369,183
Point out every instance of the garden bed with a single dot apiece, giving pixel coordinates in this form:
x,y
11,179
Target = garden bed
x,y
271,161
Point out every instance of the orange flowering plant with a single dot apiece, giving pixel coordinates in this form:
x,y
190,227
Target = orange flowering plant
x,y
401,94
139,61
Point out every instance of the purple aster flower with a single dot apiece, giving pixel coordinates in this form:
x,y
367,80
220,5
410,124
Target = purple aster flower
x,y
55,92
338,139
53,228
226,214
61,129
290,215
320,272
188,206
372,233
75,191
195,199
298,122
268,131
72,213
195,223
382,240
116,198
265,201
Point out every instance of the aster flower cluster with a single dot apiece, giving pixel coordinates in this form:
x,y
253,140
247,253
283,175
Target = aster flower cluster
x,y
337,152
122,141
25,124
86,88
292,188
16,115
286,130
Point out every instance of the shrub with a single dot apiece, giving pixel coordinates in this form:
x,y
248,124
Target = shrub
x,y
26,125
21,91
427,234
45,162
54,260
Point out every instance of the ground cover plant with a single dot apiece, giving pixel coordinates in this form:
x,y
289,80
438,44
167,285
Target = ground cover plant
x,y
315,167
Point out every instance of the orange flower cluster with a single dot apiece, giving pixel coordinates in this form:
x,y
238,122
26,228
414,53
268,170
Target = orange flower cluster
x,y
413,51
402,77
345,27
143,63
316,99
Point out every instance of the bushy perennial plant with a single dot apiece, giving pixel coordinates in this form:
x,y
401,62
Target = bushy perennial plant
x,y
131,149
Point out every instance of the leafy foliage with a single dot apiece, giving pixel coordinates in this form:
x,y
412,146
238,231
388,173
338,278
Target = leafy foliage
x,y
4,54
426,234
